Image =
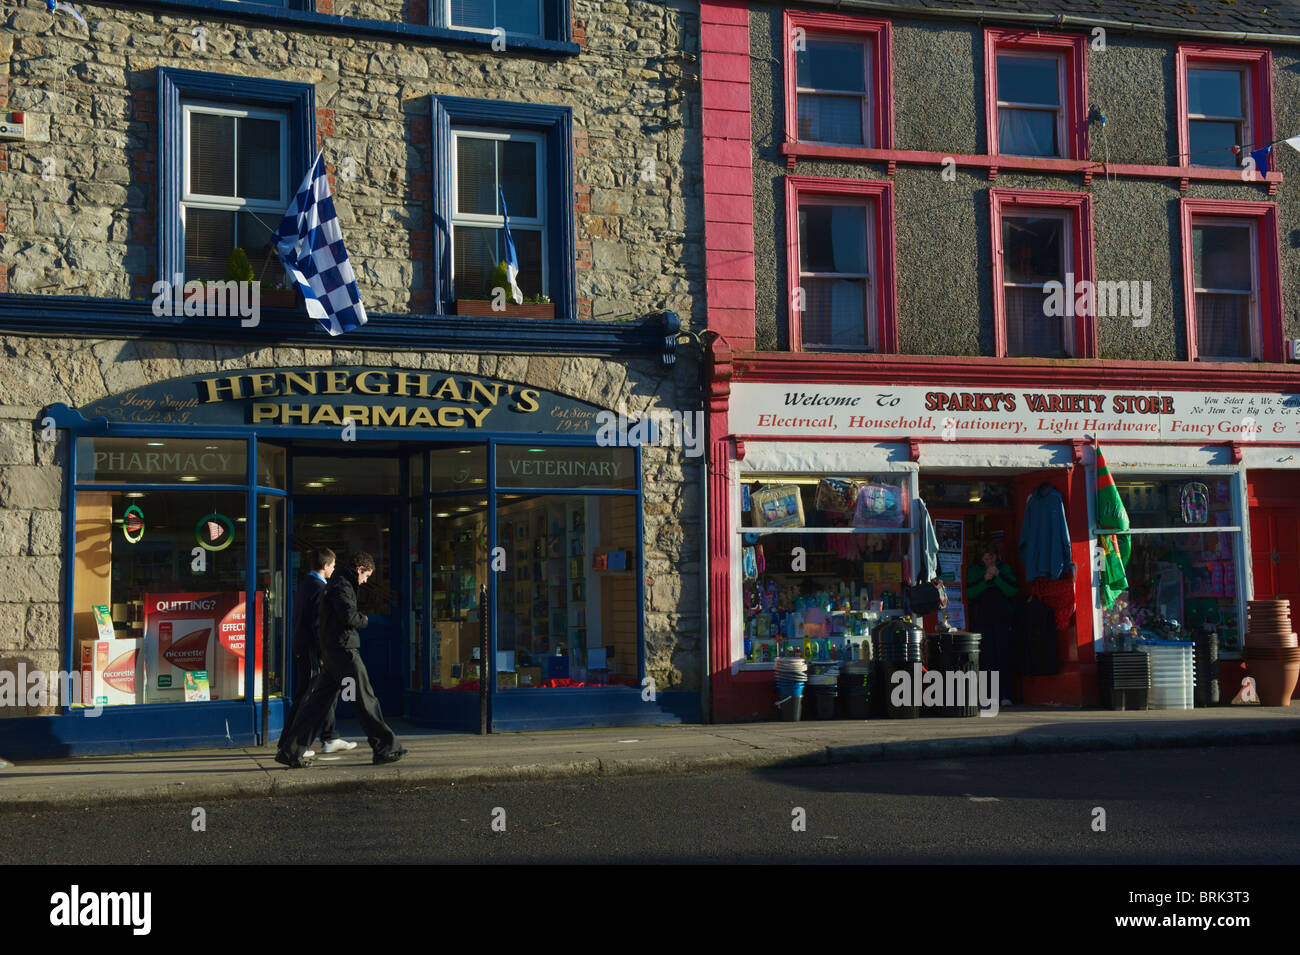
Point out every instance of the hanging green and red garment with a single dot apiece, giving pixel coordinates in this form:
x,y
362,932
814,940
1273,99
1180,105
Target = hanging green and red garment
x,y
1111,516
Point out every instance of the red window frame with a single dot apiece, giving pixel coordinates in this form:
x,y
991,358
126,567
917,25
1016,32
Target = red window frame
x,y
1073,48
878,34
1004,202
881,219
1257,60
1269,277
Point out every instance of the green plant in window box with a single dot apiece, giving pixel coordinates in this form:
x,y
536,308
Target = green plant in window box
x,y
240,269
533,306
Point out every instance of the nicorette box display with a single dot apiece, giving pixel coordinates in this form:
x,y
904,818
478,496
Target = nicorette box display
x,y
196,631
116,669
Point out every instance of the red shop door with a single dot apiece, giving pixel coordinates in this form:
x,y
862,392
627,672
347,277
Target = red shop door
x,y
1275,554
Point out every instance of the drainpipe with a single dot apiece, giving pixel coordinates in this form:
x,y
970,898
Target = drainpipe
x,y
1057,20
705,716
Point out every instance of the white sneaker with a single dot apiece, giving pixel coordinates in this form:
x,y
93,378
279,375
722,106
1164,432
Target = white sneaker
x,y
338,745
308,753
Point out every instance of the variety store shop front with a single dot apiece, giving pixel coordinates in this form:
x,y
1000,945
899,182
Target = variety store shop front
x,y
487,505
816,528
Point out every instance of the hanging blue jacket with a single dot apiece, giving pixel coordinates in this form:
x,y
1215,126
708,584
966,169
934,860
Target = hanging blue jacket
x,y
1045,535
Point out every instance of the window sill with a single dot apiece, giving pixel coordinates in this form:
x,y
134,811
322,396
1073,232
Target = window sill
x,y
1086,168
50,316
352,26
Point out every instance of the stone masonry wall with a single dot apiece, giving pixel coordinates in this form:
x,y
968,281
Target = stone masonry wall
x,y
91,227
35,373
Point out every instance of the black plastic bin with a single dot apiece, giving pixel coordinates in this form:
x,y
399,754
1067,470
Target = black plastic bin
x,y
820,702
955,651
1124,679
885,689
856,695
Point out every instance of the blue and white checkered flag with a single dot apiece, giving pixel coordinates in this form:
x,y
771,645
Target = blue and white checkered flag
x,y
310,244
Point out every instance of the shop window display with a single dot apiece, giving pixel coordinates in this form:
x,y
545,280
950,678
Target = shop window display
x,y
159,607
821,560
1184,578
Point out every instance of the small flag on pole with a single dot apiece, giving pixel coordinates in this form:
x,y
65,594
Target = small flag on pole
x,y
512,258
310,244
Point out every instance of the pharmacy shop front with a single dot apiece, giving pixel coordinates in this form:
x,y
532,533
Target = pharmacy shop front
x,y
1207,477
493,515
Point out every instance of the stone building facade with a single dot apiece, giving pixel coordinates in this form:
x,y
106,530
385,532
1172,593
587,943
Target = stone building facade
x,y
88,225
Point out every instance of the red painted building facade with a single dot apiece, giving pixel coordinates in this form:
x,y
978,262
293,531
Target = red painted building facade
x,y
887,202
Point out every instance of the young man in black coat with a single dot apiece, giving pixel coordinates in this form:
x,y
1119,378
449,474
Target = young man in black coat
x,y
342,670
306,655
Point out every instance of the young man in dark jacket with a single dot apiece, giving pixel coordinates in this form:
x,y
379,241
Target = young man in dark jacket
x,y
342,670
306,655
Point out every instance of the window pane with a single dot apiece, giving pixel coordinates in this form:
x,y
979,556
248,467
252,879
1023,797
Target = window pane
x,y
477,252
1030,330
1223,325
212,154
1032,250
1027,132
255,232
834,314
833,239
472,13
136,577
567,611
1178,577
554,467
209,240
460,568
1221,256
833,65
1214,92
476,176
259,159
160,461
830,119
1026,79
1158,502
458,469
519,16
333,476
519,177
1210,143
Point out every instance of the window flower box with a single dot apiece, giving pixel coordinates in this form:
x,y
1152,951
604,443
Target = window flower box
x,y
482,308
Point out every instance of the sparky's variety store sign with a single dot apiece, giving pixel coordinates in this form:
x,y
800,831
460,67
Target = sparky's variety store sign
x,y
813,411
386,398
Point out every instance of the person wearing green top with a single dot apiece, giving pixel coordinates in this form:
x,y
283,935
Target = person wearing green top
x,y
990,585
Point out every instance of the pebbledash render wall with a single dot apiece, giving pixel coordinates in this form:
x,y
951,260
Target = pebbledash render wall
x,y
35,373
90,98
91,106
943,242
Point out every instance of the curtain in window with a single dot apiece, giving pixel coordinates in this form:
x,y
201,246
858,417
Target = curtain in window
x,y
1031,332
830,119
1223,325
1027,132
834,314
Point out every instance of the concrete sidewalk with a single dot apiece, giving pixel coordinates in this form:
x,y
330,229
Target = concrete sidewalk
x,y
449,758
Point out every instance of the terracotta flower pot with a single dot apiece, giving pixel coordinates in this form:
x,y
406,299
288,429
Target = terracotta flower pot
x,y
1274,681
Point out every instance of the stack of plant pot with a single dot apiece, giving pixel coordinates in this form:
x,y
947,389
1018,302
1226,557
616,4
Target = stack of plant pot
x,y
1272,651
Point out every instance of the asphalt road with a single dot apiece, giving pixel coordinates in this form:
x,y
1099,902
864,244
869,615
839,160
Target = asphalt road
x,y
1173,806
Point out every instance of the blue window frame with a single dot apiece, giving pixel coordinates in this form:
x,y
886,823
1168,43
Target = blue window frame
x,y
236,98
526,19
482,121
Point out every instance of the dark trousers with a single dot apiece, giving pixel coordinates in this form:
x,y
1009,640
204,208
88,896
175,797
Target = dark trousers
x,y
340,666
305,668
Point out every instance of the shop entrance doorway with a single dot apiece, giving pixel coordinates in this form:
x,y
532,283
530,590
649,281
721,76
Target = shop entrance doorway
x,y
351,504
